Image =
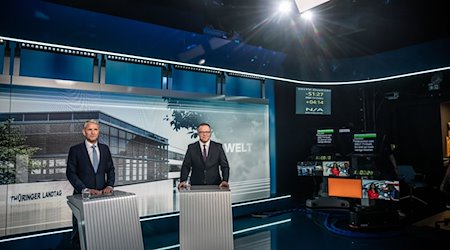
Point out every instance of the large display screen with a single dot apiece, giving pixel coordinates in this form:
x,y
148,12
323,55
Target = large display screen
x,y
147,135
313,101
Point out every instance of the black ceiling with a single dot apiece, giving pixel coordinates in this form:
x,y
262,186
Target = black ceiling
x,y
342,28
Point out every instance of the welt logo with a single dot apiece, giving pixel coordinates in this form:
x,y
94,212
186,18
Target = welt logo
x,y
238,147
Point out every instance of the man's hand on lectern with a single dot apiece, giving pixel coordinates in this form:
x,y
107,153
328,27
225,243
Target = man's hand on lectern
x,y
224,184
94,191
107,190
182,185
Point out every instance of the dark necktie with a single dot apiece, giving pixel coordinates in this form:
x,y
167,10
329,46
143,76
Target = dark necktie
x,y
94,158
204,153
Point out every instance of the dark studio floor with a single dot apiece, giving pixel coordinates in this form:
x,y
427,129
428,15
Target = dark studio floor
x,y
408,224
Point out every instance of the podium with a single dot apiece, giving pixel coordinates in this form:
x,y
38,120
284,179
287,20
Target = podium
x,y
108,221
206,220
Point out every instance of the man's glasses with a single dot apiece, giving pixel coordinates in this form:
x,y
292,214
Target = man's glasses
x,y
204,132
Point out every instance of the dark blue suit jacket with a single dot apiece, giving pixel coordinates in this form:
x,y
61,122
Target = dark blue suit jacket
x,y
80,172
205,173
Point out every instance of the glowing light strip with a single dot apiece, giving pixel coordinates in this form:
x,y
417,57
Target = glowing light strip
x,y
262,226
260,201
133,60
36,235
248,74
217,72
168,247
57,49
381,78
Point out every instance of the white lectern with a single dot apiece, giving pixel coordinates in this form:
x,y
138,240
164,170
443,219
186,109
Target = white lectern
x,y
108,221
206,220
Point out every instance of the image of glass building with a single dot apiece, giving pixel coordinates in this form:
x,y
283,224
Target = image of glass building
x,y
138,155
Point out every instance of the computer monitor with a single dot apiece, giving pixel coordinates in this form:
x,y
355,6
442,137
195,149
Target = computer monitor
x,y
365,143
325,136
381,190
336,168
344,187
344,141
309,168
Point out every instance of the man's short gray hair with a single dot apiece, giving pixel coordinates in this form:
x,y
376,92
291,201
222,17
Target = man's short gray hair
x,y
90,121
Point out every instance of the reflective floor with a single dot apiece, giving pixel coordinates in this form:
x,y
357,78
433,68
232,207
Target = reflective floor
x,y
314,229
410,225
330,230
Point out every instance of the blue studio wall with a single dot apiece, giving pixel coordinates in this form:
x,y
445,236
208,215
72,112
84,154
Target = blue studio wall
x,y
108,33
88,29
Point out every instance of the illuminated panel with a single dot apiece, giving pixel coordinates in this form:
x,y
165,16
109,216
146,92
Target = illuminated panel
x,y
314,101
349,188
304,5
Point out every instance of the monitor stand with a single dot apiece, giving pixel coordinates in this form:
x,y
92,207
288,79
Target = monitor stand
x,y
327,202
323,201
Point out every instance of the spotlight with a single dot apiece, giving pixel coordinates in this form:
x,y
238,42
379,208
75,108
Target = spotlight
x,y
284,7
308,15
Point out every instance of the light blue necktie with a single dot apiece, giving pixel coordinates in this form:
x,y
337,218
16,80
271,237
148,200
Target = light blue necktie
x,y
94,158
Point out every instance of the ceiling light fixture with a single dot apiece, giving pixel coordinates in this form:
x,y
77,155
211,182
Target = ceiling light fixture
x,y
284,7
308,15
305,5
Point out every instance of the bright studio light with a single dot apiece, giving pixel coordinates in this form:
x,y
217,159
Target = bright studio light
x,y
308,15
284,7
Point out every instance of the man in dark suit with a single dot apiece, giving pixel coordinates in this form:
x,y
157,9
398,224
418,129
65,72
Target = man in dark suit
x,y
89,168
203,160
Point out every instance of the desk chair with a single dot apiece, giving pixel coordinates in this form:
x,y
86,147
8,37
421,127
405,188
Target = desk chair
x,y
413,180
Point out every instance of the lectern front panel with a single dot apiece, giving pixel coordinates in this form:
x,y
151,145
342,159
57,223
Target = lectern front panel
x,y
108,222
206,220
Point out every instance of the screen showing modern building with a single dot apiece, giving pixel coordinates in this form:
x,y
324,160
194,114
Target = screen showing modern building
x,y
138,155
